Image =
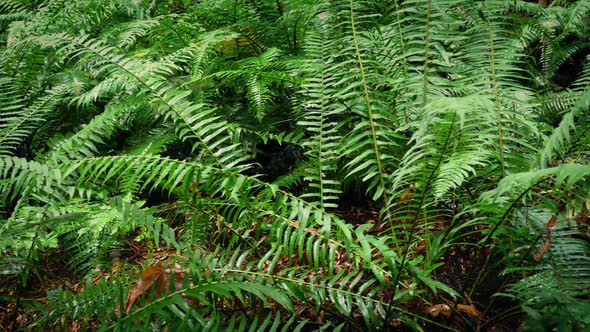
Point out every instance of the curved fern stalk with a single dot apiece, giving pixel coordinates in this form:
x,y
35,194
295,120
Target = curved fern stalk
x,y
192,121
86,142
319,121
426,54
371,117
495,91
370,146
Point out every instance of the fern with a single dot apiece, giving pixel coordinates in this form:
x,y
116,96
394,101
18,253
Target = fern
x,y
561,135
149,123
319,121
552,296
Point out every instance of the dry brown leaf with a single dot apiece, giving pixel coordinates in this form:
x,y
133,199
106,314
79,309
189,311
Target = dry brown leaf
x,y
543,248
548,226
147,280
310,230
469,309
551,223
421,247
440,309
158,279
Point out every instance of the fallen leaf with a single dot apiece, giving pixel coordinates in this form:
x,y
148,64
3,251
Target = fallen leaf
x,y
147,280
310,230
440,309
548,226
551,223
543,248
470,309
421,247
156,278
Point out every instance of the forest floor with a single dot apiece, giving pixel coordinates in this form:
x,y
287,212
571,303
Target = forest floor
x,y
459,270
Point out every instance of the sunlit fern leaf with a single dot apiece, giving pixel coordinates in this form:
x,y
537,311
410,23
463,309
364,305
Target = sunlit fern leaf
x,y
13,10
134,31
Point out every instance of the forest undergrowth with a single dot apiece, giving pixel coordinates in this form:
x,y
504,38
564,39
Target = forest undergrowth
x,y
295,165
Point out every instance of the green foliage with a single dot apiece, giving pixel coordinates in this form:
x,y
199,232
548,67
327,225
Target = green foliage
x,y
228,133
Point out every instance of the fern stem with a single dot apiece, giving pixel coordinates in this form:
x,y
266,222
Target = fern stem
x,y
496,94
402,48
426,54
368,102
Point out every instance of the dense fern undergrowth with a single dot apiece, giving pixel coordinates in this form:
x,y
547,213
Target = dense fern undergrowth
x,y
210,165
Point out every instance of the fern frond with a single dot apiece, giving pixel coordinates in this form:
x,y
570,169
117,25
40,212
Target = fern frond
x,y
192,121
553,294
449,147
319,121
561,135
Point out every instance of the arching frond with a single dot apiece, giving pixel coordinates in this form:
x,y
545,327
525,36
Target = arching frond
x,y
192,121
